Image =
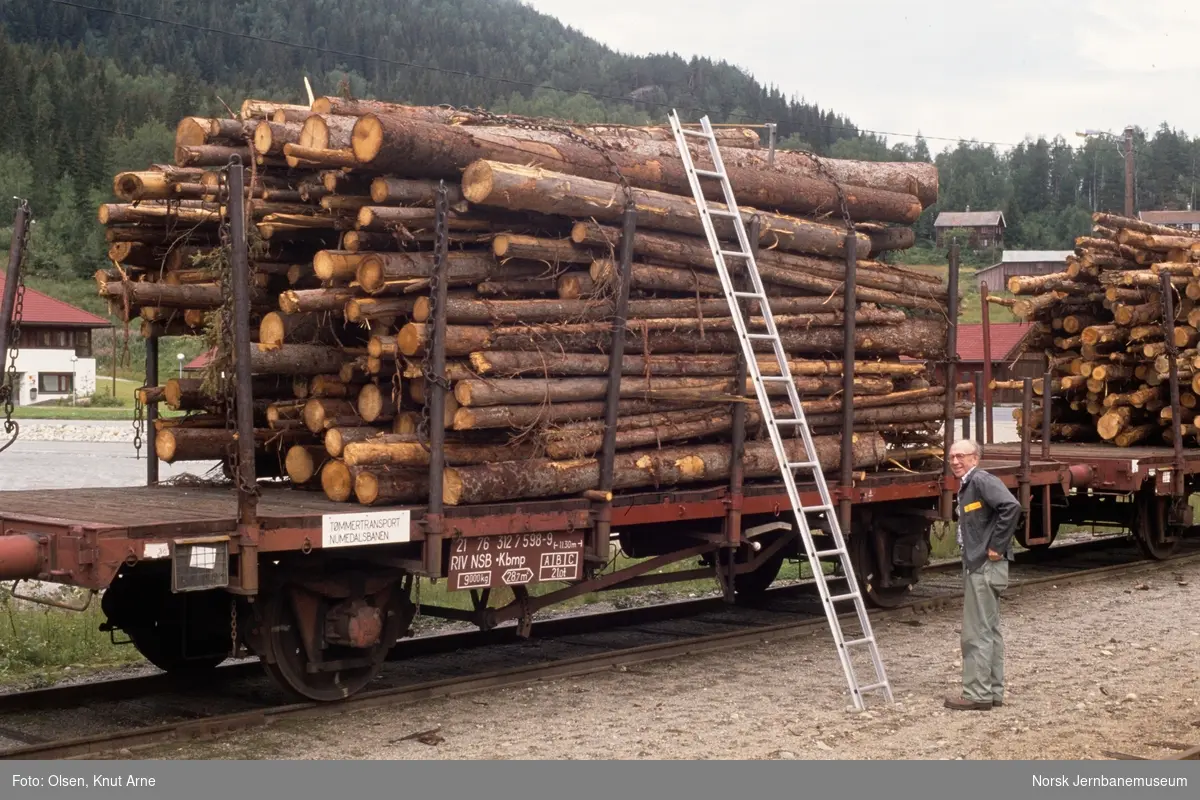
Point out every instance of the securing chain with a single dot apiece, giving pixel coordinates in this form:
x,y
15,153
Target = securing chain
x,y
138,418
440,247
233,629
837,187
528,124
224,355
11,427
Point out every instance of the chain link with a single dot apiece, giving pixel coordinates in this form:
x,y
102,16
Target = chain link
x,y
138,420
441,244
836,185
11,387
233,629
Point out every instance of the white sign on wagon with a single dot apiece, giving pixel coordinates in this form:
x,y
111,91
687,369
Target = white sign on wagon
x,y
377,527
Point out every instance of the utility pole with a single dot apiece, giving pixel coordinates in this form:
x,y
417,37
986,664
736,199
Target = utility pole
x,y
1129,171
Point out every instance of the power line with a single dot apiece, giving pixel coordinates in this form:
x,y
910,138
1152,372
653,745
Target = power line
x,y
493,78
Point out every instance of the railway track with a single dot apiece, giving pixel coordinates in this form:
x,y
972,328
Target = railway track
x,y
117,717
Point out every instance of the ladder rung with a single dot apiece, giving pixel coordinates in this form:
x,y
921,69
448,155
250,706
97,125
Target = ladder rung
x,y
697,134
721,212
871,687
735,253
815,509
801,464
775,378
772,337
754,295
837,551
708,173
791,422
837,598
857,642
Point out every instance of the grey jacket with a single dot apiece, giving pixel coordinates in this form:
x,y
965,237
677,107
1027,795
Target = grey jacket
x,y
987,518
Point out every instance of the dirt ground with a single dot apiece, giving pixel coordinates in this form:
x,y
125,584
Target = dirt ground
x,y
1101,666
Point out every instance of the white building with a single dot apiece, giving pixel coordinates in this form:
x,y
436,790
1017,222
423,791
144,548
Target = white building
x,y
55,355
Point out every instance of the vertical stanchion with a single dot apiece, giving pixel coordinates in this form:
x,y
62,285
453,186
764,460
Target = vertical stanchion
x,y
849,331
12,280
737,467
151,412
951,376
247,483
602,496
987,358
979,436
436,387
1023,479
1177,472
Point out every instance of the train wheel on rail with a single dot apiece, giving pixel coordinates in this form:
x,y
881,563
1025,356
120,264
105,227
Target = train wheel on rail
x,y
894,541
1036,526
1150,526
328,648
186,633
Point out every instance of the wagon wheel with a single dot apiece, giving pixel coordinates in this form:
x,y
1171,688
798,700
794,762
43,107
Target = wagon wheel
x,y
287,660
1150,526
180,633
164,649
1036,526
862,558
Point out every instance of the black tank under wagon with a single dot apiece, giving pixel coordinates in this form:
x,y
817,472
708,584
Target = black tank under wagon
x,y
320,592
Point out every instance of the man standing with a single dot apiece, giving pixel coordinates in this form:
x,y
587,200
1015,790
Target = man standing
x,y
987,518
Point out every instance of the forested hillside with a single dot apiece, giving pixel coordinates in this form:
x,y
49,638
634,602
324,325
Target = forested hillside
x,y
89,93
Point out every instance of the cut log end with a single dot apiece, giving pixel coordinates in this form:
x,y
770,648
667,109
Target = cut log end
x,y
336,481
367,138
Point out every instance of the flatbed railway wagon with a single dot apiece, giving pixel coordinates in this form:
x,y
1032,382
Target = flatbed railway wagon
x,y
320,591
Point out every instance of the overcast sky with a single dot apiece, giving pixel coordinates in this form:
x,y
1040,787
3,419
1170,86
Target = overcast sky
x,y
976,69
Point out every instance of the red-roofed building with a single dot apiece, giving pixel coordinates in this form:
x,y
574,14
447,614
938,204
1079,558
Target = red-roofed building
x,y
55,358
1008,362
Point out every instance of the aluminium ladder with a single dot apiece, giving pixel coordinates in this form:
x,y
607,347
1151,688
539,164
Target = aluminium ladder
x,y
797,422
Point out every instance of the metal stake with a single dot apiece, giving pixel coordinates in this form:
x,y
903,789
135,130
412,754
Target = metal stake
x,y
434,518
987,357
151,411
246,479
1177,472
849,331
951,381
11,281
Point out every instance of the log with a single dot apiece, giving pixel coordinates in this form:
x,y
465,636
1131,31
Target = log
x,y
165,295
337,265
336,481
380,486
502,391
299,156
336,439
784,269
918,338
186,394
376,404
303,462
553,251
512,480
481,312
391,143
327,131
320,412
511,364
405,451
523,286
375,270
270,137
519,188
211,444
297,359
296,301
573,286
363,309
209,155
405,192
656,278
1116,223
311,327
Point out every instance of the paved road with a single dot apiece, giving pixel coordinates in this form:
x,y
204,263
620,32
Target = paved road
x,y
77,465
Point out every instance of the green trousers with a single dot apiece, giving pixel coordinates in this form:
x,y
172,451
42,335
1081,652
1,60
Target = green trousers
x,y
982,642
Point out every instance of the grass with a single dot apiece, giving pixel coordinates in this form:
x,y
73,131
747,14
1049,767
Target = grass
x,y
40,645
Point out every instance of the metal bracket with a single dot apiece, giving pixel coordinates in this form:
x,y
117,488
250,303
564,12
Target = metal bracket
x,y
47,602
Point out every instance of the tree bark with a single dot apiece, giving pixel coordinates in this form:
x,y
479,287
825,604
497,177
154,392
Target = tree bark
x,y
519,287
515,363
211,444
327,131
554,251
391,143
525,391
783,269
575,286
466,419
918,338
296,301
513,480
362,309
270,137
337,265
382,486
375,270
656,278
482,312
298,359
518,188
404,192
319,412
311,327
405,451
336,439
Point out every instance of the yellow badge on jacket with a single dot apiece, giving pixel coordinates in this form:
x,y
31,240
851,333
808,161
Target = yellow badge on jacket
x,y
973,506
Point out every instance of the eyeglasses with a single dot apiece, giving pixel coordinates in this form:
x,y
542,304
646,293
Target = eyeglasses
x,y
961,456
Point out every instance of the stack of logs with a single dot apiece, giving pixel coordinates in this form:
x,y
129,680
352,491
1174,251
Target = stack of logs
x,y
1102,326
341,199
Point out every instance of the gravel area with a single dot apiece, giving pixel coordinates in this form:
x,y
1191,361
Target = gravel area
x,y
1100,666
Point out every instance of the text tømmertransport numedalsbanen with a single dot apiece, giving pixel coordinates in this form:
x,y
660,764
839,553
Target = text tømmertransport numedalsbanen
x,y
349,530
